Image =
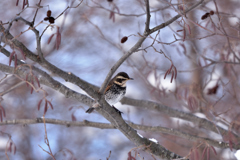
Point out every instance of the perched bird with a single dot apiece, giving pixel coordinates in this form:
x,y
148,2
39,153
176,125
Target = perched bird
x,y
115,90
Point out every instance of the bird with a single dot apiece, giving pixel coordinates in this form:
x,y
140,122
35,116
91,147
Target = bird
x,y
115,90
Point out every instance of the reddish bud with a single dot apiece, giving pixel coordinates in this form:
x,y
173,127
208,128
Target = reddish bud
x,y
211,12
49,13
124,39
206,15
51,20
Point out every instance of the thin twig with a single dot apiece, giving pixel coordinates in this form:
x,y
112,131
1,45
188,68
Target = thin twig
x,y
147,17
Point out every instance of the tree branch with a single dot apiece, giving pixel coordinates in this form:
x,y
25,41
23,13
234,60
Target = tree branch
x,y
147,17
86,123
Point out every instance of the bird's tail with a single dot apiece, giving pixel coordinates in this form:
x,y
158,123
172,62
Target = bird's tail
x,y
90,110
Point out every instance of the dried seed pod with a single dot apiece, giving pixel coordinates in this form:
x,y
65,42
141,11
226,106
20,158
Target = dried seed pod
x,y
206,15
46,19
49,13
124,39
203,17
51,19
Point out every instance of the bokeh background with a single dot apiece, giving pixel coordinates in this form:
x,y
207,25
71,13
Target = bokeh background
x,y
91,44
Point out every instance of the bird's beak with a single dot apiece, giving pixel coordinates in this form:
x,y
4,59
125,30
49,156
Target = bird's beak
x,y
130,79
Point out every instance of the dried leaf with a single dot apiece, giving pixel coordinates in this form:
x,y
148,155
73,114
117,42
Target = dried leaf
x,y
50,38
196,154
10,146
15,61
175,71
22,53
50,104
1,117
58,39
208,153
39,104
25,2
166,74
172,76
213,149
184,34
45,107
170,68
17,2
73,118
10,57
37,81
3,111
204,151
180,30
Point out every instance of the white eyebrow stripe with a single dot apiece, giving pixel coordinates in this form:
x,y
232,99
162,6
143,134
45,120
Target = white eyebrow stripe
x,y
123,84
121,77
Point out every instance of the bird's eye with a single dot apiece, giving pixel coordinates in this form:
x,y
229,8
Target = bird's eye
x,y
119,80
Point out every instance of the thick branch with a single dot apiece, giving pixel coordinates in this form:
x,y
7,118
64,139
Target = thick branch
x,y
201,122
86,123
47,80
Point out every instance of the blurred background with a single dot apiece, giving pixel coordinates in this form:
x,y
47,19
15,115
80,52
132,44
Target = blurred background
x,y
91,36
